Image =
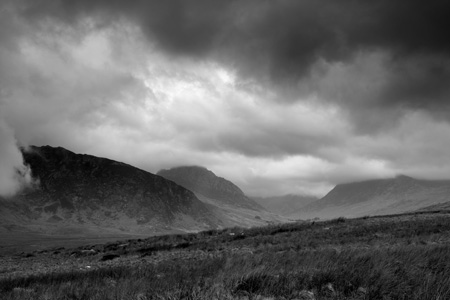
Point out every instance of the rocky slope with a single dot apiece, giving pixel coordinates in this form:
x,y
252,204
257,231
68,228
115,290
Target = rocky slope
x,y
223,196
378,197
80,194
202,181
286,205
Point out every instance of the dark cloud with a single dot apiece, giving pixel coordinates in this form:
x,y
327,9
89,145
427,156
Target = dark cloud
x,y
180,27
421,83
403,26
280,41
306,87
275,140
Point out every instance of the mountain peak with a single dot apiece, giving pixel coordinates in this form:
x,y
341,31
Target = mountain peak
x,y
203,181
403,177
189,169
46,148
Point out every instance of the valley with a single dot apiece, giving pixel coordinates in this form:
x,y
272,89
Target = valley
x,y
386,257
13,243
93,228
397,195
82,195
79,195
224,150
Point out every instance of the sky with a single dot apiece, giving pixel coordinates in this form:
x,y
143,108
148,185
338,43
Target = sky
x,y
279,96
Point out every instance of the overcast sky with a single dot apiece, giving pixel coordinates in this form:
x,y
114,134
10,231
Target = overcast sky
x,y
278,96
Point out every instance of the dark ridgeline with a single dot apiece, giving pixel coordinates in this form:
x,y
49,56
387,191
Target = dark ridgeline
x,y
202,181
85,191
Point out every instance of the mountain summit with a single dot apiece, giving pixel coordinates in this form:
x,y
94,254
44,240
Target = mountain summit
x,y
203,181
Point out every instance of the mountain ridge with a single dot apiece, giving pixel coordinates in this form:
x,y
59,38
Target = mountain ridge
x,y
223,196
203,181
378,196
84,191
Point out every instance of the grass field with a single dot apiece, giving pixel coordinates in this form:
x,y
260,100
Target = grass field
x,y
392,257
11,243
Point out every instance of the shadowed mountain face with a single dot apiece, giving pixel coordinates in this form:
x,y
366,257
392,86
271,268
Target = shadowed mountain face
x,y
202,181
222,196
437,207
286,205
378,197
80,193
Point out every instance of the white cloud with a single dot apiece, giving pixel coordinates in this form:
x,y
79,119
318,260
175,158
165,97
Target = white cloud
x,y
14,175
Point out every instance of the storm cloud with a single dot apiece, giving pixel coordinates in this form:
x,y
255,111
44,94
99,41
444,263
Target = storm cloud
x,y
281,41
303,94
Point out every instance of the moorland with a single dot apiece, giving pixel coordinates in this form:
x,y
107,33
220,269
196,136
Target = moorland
x,y
405,256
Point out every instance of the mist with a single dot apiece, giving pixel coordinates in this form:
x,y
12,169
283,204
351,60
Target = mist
x,y
14,175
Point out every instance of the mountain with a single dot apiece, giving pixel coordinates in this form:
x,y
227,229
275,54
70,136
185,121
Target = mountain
x,y
437,207
286,205
222,195
378,197
80,194
202,181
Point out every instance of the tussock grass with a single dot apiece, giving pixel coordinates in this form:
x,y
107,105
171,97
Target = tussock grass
x,y
367,258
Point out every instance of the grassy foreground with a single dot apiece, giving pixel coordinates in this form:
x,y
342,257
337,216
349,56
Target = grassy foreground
x,y
395,257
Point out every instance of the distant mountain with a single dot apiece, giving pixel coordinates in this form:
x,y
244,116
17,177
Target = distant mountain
x,y
222,195
80,193
286,205
202,181
436,207
379,197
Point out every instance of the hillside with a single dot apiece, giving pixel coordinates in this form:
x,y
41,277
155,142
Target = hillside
x,y
378,197
82,194
203,181
223,196
286,205
437,207
391,257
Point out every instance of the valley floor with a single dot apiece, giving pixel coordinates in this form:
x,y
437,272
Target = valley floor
x,y
13,242
390,257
